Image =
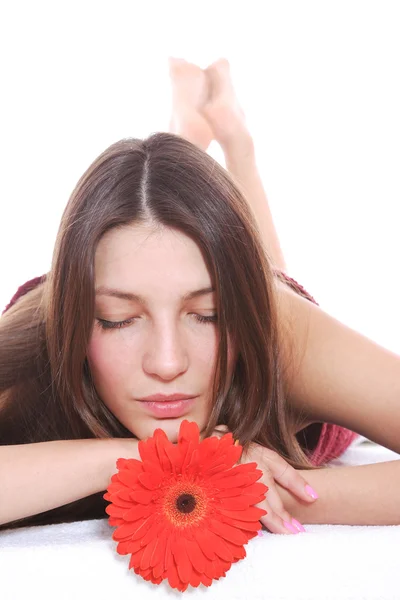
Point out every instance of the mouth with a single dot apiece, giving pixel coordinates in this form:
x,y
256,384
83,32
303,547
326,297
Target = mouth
x,y
170,409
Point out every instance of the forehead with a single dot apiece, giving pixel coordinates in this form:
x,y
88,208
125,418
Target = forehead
x,y
144,252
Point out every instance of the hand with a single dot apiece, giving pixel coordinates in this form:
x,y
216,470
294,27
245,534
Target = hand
x,y
275,469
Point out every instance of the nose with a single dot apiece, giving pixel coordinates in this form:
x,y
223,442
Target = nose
x,y
166,355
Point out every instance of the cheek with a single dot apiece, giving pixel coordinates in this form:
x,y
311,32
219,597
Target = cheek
x,y
105,364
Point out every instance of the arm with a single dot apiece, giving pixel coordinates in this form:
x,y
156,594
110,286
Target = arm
x,y
42,476
361,495
334,374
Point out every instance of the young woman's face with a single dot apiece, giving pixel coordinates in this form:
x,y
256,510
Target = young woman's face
x,y
164,347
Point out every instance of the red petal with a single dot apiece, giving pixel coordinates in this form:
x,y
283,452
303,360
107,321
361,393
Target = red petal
x,y
205,580
143,528
253,513
245,525
147,450
127,477
151,481
172,452
173,577
142,496
157,557
153,532
256,489
123,495
189,430
135,561
232,534
113,521
239,502
204,543
162,441
195,579
168,554
235,480
128,547
133,464
148,551
183,564
196,556
219,546
138,512
207,449
134,530
236,503
231,493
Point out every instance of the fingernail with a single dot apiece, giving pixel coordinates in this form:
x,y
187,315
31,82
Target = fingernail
x,y
311,492
260,533
298,525
290,527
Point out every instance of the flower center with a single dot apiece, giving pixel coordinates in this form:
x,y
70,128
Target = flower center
x,y
186,503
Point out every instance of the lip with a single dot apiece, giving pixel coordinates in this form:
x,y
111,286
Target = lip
x,y
168,410
166,397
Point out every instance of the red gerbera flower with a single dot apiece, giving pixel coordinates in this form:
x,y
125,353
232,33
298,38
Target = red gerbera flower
x,y
184,512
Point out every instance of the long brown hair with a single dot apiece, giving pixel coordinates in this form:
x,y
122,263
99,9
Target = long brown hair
x,y
46,391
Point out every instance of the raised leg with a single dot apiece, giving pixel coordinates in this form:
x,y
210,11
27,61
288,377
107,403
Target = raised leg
x,y
205,107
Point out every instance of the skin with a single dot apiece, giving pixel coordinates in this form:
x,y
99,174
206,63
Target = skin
x,y
165,349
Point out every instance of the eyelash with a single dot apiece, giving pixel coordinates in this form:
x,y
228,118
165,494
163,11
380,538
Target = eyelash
x,y
103,324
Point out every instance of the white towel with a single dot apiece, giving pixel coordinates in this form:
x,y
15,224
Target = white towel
x,y
328,562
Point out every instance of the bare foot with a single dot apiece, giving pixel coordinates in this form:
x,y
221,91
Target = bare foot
x,y
189,93
222,109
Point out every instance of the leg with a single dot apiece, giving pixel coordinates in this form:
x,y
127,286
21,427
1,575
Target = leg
x,y
219,115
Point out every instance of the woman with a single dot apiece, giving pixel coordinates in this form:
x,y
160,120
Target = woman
x,y
165,281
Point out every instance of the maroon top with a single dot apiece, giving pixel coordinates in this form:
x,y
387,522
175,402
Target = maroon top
x,y
330,440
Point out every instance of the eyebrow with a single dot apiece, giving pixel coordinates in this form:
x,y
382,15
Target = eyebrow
x,y
114,293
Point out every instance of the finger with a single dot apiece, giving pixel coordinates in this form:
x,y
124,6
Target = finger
x,y
276,523
277,519
288,477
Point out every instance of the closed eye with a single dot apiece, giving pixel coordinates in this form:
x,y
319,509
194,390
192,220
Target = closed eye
x,y
103,324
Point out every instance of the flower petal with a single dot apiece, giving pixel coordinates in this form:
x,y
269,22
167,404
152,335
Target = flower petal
x,y
189,430
151,481
161,442
129,478
253,513
183,564
229,533
138,512
200,536
132,464
219,546
174,579
148,551
196,556
157,558
147,450
240,502
245,525
142,496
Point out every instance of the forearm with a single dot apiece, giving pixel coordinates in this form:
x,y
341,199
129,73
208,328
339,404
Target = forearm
x,y
359,495
241,163
41,476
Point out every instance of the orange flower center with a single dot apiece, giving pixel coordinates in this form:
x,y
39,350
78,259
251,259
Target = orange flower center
x,y
186,503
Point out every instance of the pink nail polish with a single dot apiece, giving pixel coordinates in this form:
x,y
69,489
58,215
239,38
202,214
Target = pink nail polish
x,y
311,492
298,525
290,527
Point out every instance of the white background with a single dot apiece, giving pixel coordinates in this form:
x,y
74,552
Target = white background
x,y
319,83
